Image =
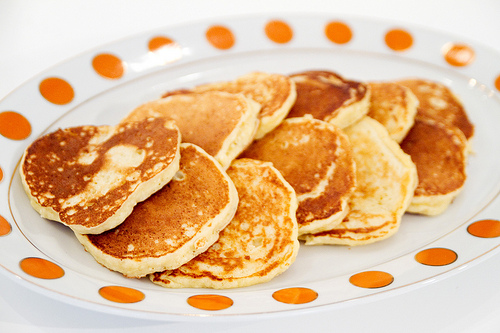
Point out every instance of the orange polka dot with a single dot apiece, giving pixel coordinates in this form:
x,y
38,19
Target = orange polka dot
x,y
41,268
338,32
436,257
279,31
108,66
398,39
158,42
458,55
210,302
497,83
14,126
220,37
295,295
371,279
1,175
56,90
120,294
5,227
485,228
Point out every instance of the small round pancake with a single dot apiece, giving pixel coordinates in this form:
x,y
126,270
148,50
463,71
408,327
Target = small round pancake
x,y
440,154
221,123
257,245
274,92
394,106
172,226
386,181
328,96
91,177
438,102
315,158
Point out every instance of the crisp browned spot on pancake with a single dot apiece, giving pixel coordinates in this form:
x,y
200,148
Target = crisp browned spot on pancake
x,y
438,102
394,106
328,96
259,243
90,177
172,226
315,157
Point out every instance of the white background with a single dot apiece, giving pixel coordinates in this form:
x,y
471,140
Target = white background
x,y
37,34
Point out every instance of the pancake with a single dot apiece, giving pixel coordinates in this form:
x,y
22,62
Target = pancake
x,y
440,154
221,123
328,96
315,158
438,102
257,245
274,92
386,181
394,106
172,226
90,177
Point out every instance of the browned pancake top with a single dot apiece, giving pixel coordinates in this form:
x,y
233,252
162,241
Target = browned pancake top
x,y
269,90
62,165
439,154
173,215
322,93
261,235
439,103
386,95
204,119
303,150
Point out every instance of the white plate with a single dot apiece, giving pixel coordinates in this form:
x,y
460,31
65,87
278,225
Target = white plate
x,y
192,60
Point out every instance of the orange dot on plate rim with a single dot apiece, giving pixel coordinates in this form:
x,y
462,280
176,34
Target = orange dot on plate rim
x,y
220,37
56,90
41,268
14,126
1,174
436,256
338,32
458,55
398,39
119,294
371,279
295,295
497,83
485,228
279,31
158,42
210,302
108,66
5,227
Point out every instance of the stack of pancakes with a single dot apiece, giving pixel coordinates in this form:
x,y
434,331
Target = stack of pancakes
x,y
214,186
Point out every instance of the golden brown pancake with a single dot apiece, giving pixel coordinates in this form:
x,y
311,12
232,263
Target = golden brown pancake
x,y
274,92
221,123
328,96
257,245
386,181
315,158
172,226
90,177
440,154
394,106
438,102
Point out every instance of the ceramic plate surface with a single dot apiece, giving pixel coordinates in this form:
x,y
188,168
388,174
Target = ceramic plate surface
x,y
104,84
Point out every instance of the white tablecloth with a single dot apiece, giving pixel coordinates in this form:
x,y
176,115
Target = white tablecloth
x,y
37,34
